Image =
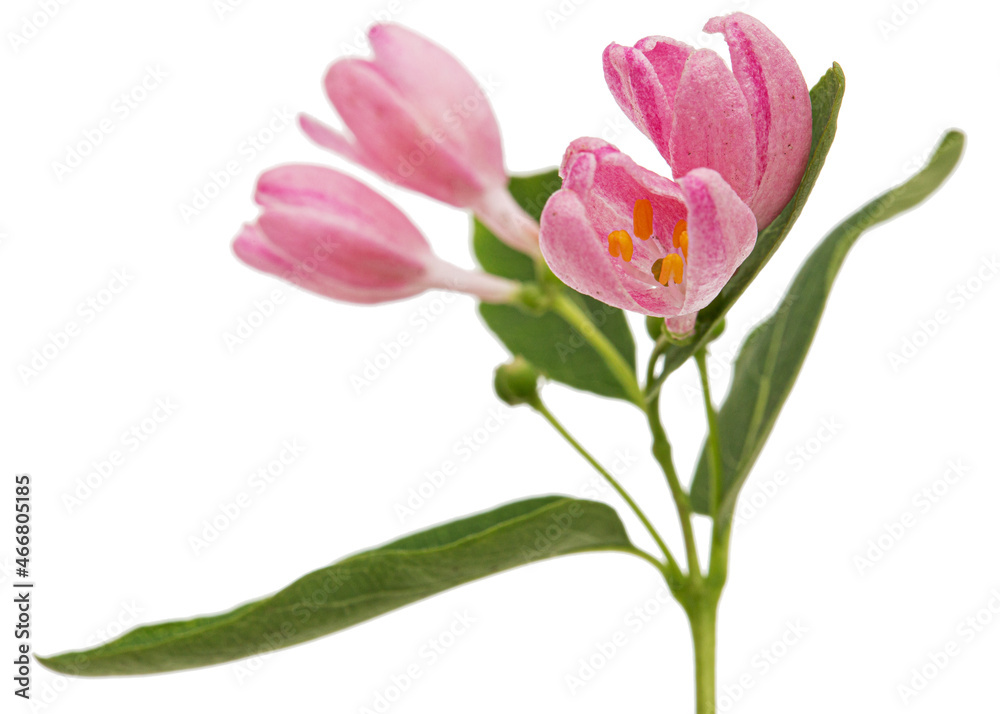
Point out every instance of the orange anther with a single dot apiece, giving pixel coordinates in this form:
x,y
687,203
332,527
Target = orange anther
x,y
680,239
620,244
642,219
670,266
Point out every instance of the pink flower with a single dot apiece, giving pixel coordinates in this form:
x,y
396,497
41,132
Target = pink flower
x,y
685,243
417,118
327,233
752,124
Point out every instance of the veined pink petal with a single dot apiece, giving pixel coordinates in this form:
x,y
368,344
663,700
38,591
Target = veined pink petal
x,y
634,84
722,231
712,127
340,248
575,252
338,143
393,134
252,247
779,103
332,193
447,96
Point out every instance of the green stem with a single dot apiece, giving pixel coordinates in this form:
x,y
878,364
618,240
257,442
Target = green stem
x,y
673,571
566,308
703,615
664,456
714,445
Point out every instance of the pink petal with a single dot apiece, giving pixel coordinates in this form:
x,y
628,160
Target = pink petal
x,y
392,133
576,253
338,249
635,86
444,92
778,99
338,143
712,127
722,231
668,58
341,198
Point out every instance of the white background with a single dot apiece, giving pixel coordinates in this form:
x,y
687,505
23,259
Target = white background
x,y
125,546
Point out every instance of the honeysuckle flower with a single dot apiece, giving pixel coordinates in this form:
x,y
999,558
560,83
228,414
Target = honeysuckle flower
x,y
417,118
328,233
636,240
752,124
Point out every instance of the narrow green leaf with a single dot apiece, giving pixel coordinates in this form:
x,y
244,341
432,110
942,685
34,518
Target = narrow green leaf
x,y
550,343
772,355
361,587
826,98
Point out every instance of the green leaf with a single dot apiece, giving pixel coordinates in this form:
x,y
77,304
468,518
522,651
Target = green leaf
x,y
826,98
772,355
361,587
550,343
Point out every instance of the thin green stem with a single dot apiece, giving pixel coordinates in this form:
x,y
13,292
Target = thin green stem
x,y
673,571
566,308
664,456
714,444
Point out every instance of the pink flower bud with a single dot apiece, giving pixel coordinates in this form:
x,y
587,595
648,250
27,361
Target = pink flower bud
x,y
328,233
417,118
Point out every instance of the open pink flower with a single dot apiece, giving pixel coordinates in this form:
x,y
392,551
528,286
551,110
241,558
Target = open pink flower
x,y
639,241
752,124
417,118
326,232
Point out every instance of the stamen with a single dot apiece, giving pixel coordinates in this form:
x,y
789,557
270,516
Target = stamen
x,y
670,266
620,244
642,219
681,238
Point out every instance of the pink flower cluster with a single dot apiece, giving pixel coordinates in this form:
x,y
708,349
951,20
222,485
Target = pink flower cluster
x,y
737,141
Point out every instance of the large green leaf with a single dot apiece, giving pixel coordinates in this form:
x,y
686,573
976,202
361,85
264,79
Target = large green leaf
x,y
826,97
770,359
550,343
361,587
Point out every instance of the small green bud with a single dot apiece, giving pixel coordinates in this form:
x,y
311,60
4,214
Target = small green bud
x,y
516,382
654,326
